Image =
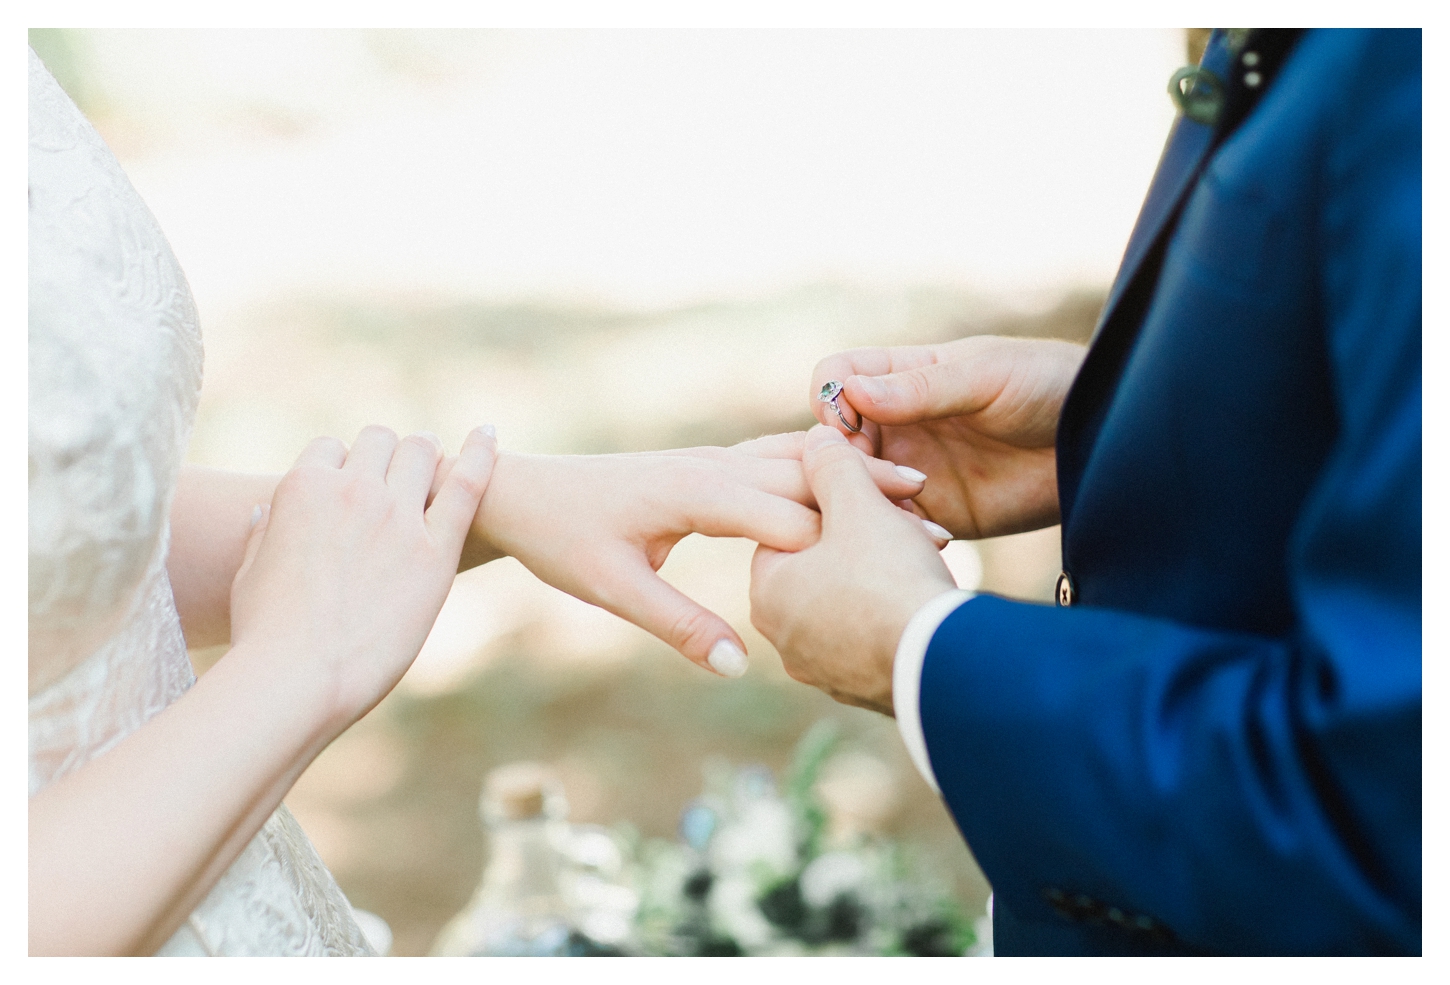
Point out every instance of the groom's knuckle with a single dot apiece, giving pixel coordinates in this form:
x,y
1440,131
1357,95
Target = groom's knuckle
x,y
804,525
759,597
794,669
918,386
763,618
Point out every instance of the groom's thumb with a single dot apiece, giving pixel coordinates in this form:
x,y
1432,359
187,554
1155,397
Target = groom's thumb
x,y
925,393
837,475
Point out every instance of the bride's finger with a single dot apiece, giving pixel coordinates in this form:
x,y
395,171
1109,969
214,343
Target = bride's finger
x,y
323,451
415,462
456,501
787,445
641,596
439,476
786,478
730,510
372,451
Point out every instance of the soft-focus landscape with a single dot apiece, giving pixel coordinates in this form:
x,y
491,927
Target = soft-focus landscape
x,y
606,241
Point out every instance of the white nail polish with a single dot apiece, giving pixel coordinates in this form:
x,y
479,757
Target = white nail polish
x,y
910,474
489,430
728,659
256,516
937,530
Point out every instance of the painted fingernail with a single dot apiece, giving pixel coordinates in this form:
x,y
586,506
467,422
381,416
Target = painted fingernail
x,y
728,659
256,516
937,530
872,387
489,430
437,441
910,474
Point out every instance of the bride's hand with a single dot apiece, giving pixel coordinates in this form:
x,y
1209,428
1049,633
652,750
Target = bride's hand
x,y
600,526
344,576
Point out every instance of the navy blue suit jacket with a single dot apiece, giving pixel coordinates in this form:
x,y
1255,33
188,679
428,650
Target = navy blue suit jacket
x,y
1216,747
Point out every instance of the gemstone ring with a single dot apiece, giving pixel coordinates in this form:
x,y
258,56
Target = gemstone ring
x,y
831,394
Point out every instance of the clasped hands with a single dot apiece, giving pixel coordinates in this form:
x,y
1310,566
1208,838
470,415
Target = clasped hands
x,y
844,559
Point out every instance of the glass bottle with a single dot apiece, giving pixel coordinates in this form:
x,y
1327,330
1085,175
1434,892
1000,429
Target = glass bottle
x,y
520,906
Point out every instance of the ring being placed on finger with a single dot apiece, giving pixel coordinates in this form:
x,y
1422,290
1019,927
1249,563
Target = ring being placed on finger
x,y
831,394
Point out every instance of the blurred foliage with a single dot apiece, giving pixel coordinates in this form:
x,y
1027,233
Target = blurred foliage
x,y
757,872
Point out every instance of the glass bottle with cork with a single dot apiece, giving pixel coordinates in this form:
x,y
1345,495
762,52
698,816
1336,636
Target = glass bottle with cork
x,y
520,906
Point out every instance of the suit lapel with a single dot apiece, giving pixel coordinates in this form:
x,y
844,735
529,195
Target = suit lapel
x,y
1188,143
1132,291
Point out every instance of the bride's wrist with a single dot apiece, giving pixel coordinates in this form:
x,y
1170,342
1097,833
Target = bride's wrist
x,y
300,687
485,542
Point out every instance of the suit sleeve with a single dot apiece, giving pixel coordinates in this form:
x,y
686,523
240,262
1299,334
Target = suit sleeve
x,y
1251,793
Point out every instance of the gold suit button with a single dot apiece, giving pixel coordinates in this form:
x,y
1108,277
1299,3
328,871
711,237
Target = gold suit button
x,y
1065,593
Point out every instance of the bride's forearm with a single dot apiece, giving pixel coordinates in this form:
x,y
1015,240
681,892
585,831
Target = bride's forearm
x,y
210,519
182,797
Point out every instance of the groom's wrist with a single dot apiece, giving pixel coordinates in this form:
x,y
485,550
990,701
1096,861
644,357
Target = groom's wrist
x,y
906,674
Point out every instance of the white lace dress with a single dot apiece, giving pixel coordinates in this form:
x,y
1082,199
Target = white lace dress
x,y
115,366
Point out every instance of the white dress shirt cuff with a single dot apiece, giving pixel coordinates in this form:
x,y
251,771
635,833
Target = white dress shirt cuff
x,y
906,675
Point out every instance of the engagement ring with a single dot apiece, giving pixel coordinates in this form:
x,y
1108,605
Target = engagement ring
x,y
831,394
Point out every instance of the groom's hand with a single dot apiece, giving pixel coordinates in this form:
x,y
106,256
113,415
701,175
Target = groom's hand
x,y
837,609
977,415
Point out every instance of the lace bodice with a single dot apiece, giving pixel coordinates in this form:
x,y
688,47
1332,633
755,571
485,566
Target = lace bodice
x,y
115,368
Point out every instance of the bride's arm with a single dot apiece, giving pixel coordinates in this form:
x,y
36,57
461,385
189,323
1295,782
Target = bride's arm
x,y
338,586
122,849
210,519
595,526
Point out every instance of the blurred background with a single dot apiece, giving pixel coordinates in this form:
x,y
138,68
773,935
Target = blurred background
x,y
602,241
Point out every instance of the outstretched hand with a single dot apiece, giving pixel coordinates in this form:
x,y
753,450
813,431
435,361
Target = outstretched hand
x,y
977,415
836,610
600,526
